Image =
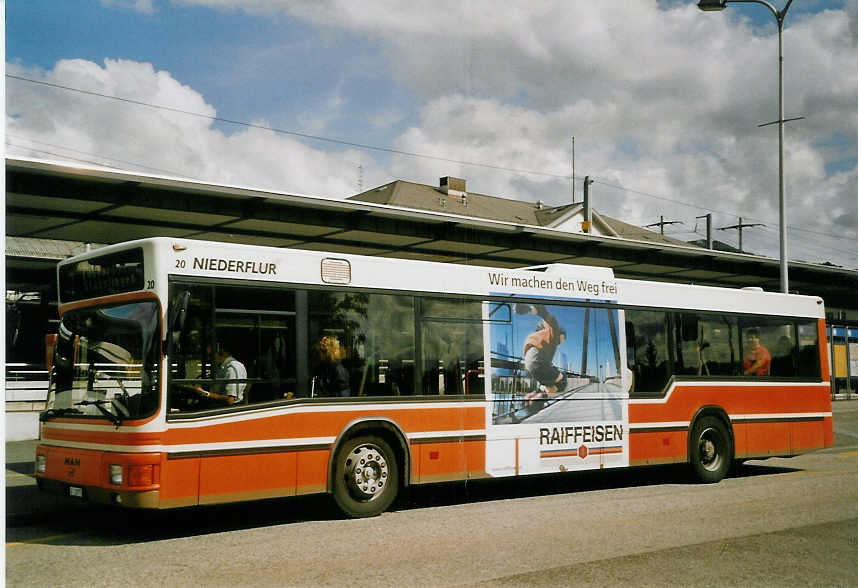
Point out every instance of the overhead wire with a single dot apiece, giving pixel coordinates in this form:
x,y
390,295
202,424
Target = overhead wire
x,y
713,210
389,151
291,133
821,250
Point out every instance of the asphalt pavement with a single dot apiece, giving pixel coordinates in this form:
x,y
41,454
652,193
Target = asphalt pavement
x,y
26,504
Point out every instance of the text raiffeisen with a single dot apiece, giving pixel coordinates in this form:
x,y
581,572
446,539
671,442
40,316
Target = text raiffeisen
x,y
580,434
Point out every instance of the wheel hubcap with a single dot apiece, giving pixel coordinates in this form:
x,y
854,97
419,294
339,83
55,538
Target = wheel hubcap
x,y
708,446
366,472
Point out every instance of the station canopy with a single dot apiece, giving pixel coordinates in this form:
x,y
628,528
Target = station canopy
x,y
53,209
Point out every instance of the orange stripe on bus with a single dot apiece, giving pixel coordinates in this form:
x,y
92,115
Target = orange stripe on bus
x,y
101,437
326,424
685,401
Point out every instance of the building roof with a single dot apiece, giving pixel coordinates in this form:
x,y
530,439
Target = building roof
x,y
51,249
627,231
720,246
420,196
423,197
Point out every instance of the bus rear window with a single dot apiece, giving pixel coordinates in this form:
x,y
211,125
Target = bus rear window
x,y
114,273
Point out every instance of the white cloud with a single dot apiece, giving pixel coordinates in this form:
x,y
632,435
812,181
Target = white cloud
x,y
662,100
54,122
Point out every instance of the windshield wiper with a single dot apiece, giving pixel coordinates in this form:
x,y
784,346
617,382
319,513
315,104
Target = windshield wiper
x,y
99,404
100,375
57,412
119,401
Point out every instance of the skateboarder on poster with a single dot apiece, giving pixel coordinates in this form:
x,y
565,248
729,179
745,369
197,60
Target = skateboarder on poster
x,y
539,349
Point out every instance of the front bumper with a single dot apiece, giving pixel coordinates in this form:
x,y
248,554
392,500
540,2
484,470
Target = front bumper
x,y
94,494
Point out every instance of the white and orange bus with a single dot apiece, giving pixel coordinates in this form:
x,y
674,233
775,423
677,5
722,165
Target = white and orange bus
x,y
189,373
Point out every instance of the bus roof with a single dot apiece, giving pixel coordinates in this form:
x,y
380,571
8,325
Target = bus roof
x,y
560,281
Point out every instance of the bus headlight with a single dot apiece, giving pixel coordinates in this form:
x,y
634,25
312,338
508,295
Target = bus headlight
x,y
41,464
115,474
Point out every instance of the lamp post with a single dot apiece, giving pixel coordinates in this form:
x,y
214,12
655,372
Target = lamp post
x,y
717,5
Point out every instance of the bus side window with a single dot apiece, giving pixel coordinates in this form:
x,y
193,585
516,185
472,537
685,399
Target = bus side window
x,y
707,345
722,354
239,334
276,367
690,345
259,323
188,345
649,349
784,354
388,347
769,347
451,333
808,350
374,335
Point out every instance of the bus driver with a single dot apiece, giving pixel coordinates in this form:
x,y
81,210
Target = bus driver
x,y
229,371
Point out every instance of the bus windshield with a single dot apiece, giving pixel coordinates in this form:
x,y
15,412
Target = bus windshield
x,y
106,363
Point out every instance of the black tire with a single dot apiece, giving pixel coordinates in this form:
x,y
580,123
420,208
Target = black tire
x,y
710,450
366,477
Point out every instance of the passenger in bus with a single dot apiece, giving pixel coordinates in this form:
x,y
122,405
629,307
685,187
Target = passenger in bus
x,y
757,359
332,377
229,371
783,362
273,369
274,364
539,349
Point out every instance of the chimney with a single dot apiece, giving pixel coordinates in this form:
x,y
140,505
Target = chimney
x,y
588,211
453,186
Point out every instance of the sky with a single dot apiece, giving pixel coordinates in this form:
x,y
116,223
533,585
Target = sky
x,y
331,97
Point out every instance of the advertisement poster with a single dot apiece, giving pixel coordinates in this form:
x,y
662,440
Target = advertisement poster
x,y
557,397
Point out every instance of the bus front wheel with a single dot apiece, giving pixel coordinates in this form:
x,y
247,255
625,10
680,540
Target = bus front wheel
x,y
366,477
711,451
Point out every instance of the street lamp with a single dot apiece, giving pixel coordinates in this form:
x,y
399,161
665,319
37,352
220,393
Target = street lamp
x,y
716,5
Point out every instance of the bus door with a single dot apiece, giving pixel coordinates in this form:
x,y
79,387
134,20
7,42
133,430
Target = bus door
x,y
234,348
450,347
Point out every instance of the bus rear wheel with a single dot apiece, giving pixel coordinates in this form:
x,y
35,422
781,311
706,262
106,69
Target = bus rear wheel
x,y
366,477
711,450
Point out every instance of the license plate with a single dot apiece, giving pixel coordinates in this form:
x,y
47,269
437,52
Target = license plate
x,y
76,491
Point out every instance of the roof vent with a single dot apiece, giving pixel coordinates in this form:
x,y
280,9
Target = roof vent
x,y
453,186
336,271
